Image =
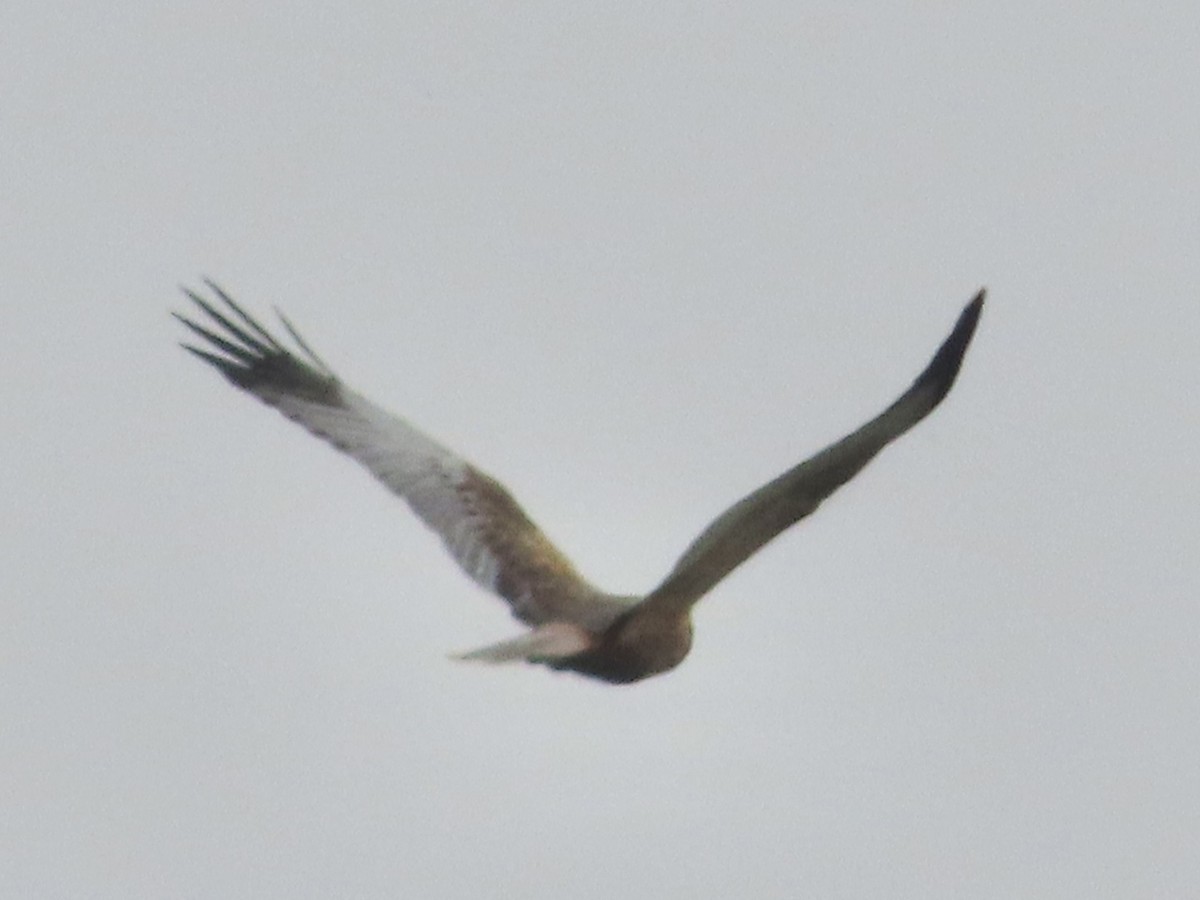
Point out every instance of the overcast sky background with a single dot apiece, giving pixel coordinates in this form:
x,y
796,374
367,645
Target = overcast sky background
x,y
633,261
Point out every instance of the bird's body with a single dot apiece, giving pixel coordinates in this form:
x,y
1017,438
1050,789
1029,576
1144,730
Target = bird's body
x,y
574,625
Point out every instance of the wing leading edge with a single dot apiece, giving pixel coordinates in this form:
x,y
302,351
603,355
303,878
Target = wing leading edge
x,y
484,528
736,534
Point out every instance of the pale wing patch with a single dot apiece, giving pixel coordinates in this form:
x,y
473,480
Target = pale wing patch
x,y
481,525
427,475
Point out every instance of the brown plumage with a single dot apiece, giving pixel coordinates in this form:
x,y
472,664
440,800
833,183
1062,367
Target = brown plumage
x,y
575,626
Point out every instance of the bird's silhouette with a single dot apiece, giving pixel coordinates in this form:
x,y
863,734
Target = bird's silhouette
x,y
573,625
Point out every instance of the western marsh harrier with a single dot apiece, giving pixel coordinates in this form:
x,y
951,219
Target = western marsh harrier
x,y
573,625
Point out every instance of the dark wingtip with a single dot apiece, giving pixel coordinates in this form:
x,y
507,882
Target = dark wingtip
x,y
253,359
232,371
939,375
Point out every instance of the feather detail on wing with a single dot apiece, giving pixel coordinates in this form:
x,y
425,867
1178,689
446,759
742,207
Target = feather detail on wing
x,y
482,526
750,523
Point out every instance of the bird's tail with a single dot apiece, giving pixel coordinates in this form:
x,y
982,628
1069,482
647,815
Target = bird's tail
x,y
554,640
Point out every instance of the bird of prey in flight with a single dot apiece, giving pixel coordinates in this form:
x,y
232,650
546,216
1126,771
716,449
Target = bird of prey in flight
x,y
573,625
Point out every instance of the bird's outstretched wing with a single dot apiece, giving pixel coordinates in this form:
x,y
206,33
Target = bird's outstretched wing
x,y
757,518
483,527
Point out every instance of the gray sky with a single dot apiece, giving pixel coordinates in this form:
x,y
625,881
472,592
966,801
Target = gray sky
x,y
633,263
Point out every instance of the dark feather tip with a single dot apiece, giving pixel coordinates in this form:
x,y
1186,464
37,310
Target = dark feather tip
x,y
939,375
